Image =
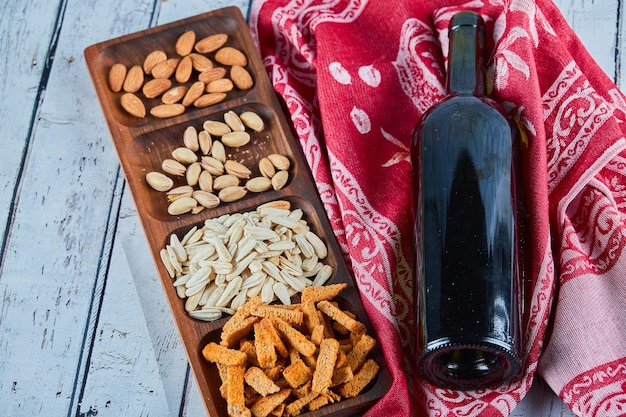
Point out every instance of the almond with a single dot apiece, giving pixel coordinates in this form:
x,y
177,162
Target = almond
x,y
212,75
152,59
223,85
231,56
156,87
200,62
165,69
209,99
164,111
184,69
241,77
117,75
174,94
211,43
133,105
185,43
194,92
134,79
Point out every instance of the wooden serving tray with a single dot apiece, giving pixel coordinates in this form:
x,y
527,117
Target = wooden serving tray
x,y
142,144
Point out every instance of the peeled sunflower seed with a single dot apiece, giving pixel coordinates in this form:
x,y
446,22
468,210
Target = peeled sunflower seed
x,y
158,181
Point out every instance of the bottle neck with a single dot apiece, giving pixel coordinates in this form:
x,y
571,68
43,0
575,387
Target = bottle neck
x,y
466,74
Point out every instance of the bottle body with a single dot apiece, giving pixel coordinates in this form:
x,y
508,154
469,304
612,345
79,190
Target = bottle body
x,y
464,155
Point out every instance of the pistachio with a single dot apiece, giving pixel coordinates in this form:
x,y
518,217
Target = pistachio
x,y
182,205
218,151
205,182
184,155
236,139
237,169
234,122
172,166
224,181
206,199
266,168
190,138
205,142
158,181
212,165
258,184
279,180
279,161
193,174
179,192
216,128
252,121
230,194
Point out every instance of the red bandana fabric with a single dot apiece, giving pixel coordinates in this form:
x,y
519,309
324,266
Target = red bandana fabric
x,y
357,74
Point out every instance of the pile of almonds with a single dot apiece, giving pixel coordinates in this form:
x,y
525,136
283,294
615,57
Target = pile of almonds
x,y
172,78
270,252
211,176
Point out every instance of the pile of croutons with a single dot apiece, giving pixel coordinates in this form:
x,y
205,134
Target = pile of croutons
x,y
283,360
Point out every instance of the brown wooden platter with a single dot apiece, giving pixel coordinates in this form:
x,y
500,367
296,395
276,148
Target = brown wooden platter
x,y
143,143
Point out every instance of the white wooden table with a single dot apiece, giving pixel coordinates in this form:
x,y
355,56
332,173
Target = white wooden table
x,y
84,326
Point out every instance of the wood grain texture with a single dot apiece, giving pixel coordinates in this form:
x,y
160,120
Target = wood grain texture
x,y
82,311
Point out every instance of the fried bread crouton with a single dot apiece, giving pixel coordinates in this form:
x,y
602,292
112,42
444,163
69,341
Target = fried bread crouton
x,y
265,350
360,380
294,337
221,354
265,405
322,293
297,373
359,352
235,398
257,379
341,317
326,360
268,327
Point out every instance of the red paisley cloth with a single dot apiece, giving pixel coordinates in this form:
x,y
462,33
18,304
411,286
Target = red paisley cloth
x,y
357,74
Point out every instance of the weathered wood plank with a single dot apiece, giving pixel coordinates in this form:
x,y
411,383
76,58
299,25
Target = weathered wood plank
x,y
52,271
27,30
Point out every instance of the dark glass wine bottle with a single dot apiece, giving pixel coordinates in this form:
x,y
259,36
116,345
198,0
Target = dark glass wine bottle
x,y
464,154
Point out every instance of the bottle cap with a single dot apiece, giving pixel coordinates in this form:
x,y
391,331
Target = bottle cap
x,y
465,19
